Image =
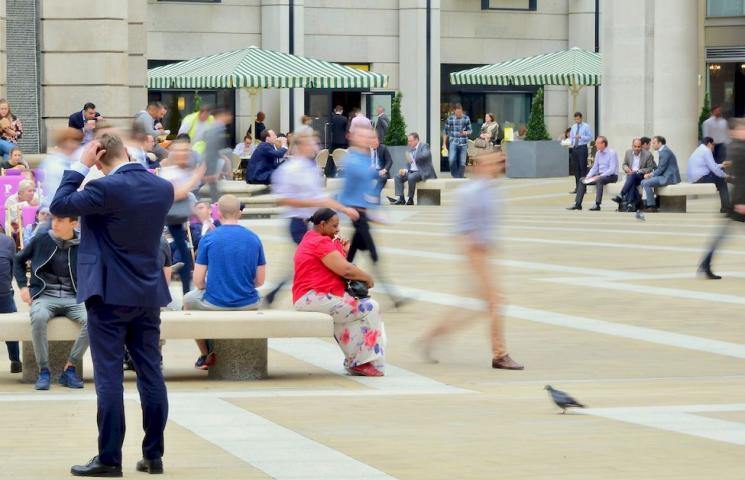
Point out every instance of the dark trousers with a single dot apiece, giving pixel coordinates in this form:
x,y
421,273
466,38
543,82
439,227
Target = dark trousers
x,y
721,184
599,184
8,305
182,247
720,152
633,180
110,328
298,229
579,159
362,239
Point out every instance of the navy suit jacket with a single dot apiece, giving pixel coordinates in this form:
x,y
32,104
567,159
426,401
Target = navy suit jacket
x,y
77,120
263,162
122,217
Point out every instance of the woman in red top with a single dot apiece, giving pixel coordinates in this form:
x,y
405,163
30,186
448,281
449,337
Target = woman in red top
x,y
321,271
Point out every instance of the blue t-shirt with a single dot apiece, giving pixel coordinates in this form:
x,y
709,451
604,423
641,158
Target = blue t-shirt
x,y
358,176
232,254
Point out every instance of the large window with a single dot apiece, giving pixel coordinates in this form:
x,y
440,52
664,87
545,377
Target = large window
x,y
725,8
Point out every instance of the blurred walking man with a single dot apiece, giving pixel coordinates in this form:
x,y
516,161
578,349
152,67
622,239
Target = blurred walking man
x,y
475,223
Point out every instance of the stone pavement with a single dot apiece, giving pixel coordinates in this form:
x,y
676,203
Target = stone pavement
x,y
599,304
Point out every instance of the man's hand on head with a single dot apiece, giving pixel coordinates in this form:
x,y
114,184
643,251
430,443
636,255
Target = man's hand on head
x,y
92,153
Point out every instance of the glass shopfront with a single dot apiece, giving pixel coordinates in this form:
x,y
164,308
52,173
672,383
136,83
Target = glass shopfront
x,y
727,87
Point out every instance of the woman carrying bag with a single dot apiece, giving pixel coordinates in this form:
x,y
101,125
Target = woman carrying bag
x,y
489,133
320,285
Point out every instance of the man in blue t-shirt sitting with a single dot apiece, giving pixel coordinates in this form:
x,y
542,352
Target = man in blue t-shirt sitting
x,y
235,259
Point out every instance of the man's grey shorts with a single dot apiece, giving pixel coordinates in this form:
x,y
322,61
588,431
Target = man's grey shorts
x,y
194,300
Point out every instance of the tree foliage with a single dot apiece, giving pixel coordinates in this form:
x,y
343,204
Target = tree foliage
x,y
536,124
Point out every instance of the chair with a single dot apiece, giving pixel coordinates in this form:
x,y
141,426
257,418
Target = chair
x,y
322,158
338,157
9,186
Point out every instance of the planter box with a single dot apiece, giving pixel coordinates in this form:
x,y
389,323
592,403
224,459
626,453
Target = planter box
x,y
536,159
398,155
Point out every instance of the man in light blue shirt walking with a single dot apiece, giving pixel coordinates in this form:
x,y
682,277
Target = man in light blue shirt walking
x,y
604,170
580,135
702,168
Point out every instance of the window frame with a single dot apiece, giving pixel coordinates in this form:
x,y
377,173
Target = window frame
x,y
532,6
708,10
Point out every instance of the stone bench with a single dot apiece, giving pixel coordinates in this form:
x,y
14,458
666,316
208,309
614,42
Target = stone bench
x,y
673,198
429,192
260,212
240,337
239,188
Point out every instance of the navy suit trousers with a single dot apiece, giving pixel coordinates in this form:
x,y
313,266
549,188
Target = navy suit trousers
x,y
110,327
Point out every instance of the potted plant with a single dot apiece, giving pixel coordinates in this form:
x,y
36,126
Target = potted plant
x,y
536,155
396,138
705,114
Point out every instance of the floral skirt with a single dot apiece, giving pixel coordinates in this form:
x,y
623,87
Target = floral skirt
x,y
358,328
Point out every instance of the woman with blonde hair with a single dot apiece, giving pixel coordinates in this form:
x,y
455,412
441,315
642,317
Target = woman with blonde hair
x,y
10,129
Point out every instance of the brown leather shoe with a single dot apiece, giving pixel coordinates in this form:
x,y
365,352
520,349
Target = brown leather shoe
x,y
506,363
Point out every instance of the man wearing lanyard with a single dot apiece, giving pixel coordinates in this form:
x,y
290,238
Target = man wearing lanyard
x,y
581,136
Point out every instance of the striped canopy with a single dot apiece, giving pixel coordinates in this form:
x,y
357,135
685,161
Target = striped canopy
x,y
254,67
573,67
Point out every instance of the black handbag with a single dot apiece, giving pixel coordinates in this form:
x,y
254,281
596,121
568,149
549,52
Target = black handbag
x,y
357,289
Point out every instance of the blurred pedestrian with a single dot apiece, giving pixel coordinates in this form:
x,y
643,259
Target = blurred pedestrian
x,y
475,222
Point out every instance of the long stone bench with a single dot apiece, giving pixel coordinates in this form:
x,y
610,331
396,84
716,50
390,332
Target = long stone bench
x,y
429,192
673,198
236,187
240,337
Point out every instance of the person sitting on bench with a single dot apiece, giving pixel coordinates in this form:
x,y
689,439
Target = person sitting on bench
x,y
234,257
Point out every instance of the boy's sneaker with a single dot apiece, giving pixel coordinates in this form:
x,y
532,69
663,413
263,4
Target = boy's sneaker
x,y
201,363
70,379
42,383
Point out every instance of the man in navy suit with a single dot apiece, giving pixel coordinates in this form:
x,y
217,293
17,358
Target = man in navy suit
x,y
85,121
121,281
265,158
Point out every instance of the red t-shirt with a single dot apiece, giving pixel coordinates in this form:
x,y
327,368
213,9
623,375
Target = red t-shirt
x,y
310,272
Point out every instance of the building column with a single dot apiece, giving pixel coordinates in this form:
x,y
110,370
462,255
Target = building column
x,y
581,18
3,42
85,58
274,102
137,62
643,91
413,68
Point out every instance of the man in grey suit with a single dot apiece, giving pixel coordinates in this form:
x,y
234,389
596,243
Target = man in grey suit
x,y
637,162
419,169
666,173
381,123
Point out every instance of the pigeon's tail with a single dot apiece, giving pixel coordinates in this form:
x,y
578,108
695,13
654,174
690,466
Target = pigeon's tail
x,y
578,405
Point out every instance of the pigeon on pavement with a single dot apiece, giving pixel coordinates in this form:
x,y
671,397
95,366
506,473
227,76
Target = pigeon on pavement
x,y
640,216
562,399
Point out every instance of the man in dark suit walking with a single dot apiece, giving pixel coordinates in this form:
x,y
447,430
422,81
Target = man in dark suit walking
x,y
338,129
122,284
381,161
419,169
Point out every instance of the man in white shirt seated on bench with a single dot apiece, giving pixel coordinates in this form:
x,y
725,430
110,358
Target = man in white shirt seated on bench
x,y
702,168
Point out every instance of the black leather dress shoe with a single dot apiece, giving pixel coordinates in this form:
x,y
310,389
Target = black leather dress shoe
x,y
96,469
16,367
393,200
150,466
617,199
705,270
596,208
410,202
575,207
